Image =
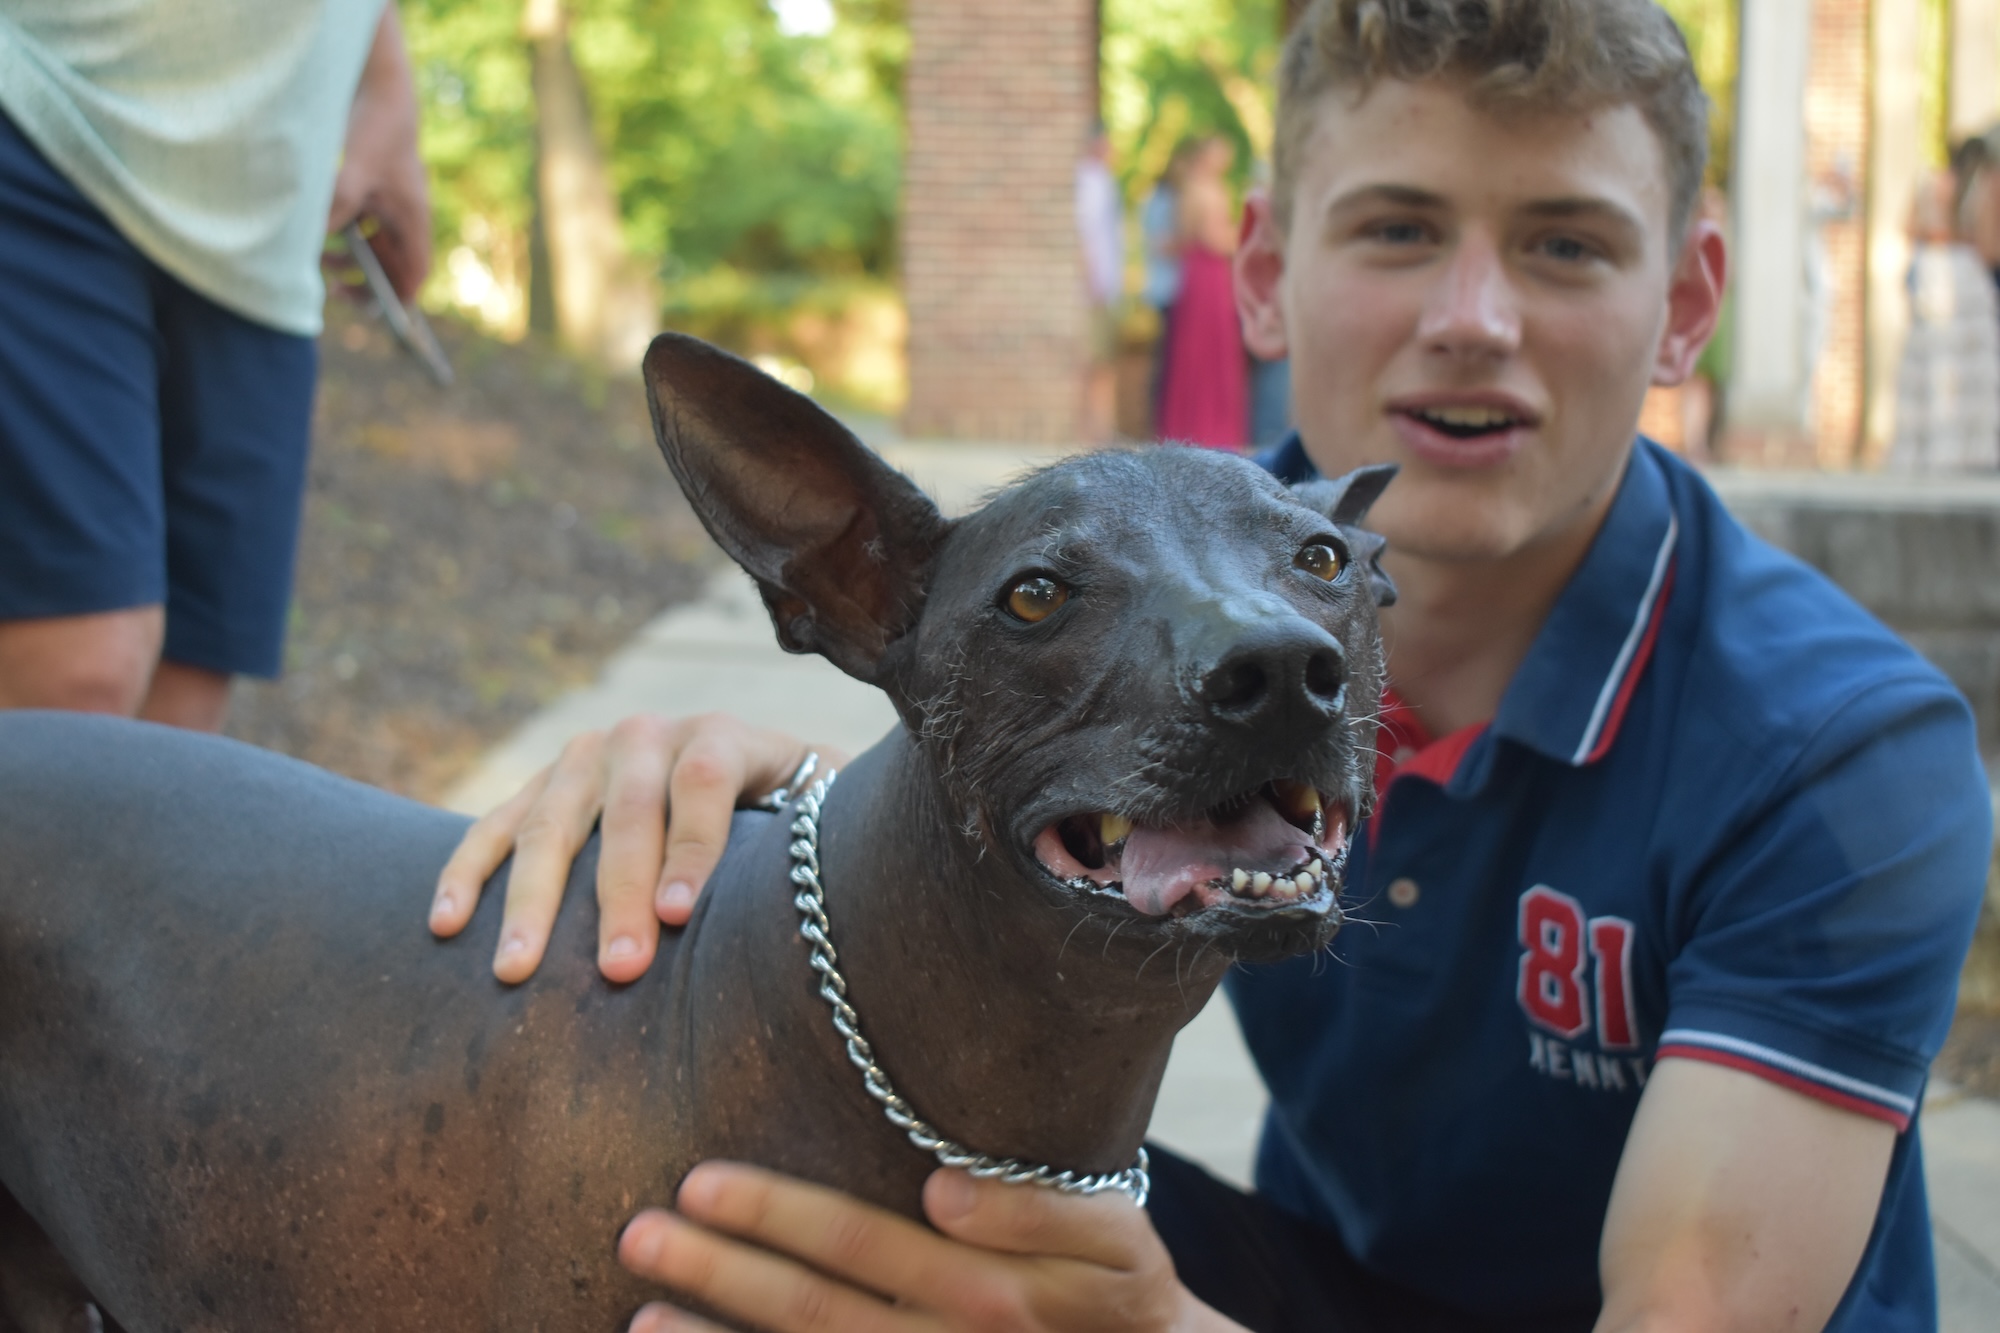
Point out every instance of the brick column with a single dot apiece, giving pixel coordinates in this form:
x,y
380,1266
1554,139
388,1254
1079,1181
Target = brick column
x,y
1837,122
999,103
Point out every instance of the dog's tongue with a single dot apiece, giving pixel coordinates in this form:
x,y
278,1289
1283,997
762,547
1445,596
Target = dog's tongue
x,y
1162,866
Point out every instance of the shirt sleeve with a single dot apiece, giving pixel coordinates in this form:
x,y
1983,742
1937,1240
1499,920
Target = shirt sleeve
x,y
1821,945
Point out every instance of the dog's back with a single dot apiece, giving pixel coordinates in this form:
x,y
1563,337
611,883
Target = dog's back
x,y
229,969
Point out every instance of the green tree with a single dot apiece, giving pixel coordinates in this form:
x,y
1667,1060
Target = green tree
x,y
730,144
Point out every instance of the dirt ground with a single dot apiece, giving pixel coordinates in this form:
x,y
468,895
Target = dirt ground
x,y
468,553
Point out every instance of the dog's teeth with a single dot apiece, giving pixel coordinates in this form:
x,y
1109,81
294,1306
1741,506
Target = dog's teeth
x,y
1317,868
1260,884
1303,881
1113,828
1296,800
1239,879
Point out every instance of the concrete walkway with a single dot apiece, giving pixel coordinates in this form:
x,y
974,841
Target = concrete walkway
x,y
718,653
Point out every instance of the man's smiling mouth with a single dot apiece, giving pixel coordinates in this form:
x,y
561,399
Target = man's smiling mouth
x,y
1281,845
1467,423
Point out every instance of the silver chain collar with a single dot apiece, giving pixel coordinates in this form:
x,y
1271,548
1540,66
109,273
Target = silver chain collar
x,y
811,902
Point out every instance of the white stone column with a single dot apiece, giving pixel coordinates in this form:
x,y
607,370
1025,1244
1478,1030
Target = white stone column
x,y
1975,66
1895,161
1769,380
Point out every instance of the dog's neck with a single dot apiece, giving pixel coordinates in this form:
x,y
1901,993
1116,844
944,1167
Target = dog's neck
x,y
1008,1019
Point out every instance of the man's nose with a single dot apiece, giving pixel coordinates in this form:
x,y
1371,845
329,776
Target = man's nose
x,y
1473,312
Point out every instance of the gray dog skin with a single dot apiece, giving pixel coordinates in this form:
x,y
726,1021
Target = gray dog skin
x,y
242,1089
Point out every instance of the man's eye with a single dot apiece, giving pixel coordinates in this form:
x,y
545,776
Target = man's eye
x,y
1399,233
1568,249
1035,599
1320,560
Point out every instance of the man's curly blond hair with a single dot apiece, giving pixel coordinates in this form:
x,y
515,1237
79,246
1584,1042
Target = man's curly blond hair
x,y
1511,56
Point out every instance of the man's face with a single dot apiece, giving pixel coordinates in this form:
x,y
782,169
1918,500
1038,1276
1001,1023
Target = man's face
x,y
1483,300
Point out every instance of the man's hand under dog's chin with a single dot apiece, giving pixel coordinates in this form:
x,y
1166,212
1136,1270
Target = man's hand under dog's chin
x,y
783,1255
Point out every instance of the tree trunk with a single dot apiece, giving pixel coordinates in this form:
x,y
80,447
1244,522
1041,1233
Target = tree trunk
x,y
605,305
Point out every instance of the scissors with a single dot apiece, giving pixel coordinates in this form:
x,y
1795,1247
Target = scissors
x,y
407,322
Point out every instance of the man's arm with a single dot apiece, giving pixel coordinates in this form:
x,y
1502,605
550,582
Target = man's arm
x,y
1738,1204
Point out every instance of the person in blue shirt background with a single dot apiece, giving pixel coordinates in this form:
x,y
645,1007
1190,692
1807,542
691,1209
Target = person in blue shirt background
x,y
1681,851
1159,239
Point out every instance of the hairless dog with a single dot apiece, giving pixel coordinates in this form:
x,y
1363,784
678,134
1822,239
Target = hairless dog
x,y
240,1089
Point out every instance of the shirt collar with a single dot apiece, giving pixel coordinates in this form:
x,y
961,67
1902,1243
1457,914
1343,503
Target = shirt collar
x,y
1569,696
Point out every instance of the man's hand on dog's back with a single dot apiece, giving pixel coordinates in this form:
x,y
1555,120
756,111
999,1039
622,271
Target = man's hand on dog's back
x,y
650,869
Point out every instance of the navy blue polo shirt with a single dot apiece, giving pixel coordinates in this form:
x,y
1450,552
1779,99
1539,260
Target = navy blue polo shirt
x,y
1723,815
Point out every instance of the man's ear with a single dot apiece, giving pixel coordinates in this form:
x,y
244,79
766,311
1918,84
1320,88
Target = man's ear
x,y
1259,270
1346,500
838,541
1694,302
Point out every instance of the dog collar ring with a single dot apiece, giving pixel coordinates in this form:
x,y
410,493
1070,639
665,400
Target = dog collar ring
x,y
814,926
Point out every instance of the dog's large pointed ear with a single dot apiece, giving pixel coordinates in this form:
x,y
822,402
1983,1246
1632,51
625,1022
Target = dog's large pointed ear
x,y
838,541
1346,500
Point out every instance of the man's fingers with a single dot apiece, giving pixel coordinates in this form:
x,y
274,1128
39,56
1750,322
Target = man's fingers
x,y
479,853
550,833
840,1235
725,764
657,1318
708,778
637,758
1106,1229
752,1284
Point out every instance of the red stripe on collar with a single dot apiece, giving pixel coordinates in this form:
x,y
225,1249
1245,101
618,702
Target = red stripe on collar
x,y
1405,748
1633,672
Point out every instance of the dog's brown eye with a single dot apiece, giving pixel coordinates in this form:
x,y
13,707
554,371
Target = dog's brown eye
x,y
1036,599
1320,560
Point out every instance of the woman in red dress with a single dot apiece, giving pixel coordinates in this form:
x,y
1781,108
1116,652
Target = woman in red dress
x,y
1205,397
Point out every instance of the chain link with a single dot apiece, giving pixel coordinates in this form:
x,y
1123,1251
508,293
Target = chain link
x,y
778,798
811,902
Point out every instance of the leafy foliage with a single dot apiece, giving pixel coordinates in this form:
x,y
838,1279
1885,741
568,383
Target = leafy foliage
x,y
730,142
1175,68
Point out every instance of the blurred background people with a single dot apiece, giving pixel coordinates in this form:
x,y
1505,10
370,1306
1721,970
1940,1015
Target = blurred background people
x,y
1100,229
1159,235
1204,397
1982,200
1948,382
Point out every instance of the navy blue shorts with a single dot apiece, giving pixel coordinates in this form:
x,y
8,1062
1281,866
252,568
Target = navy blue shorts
x,y
152,444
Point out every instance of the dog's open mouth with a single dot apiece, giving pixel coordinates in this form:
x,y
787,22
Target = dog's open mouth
x,y
1282,845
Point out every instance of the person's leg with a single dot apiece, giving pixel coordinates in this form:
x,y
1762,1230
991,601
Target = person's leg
x,y
82,575
99,663
186,696
235,423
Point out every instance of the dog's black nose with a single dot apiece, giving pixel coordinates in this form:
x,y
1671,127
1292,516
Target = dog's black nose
x,y
1280,671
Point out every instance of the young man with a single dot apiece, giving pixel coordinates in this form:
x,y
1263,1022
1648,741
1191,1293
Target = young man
x,y
168,177
1677,855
